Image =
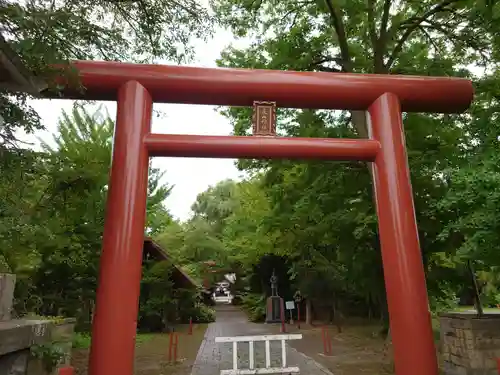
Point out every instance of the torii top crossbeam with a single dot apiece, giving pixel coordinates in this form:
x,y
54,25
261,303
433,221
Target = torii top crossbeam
x,y
240,87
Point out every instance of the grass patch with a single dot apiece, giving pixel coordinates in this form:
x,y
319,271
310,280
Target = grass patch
x,y
473,308
81,340
151,353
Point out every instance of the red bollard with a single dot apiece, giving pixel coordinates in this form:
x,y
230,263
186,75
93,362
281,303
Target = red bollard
x,y
323,333
176,340
170,344
327,342
68,370
190,332
498,365
172,347
298,315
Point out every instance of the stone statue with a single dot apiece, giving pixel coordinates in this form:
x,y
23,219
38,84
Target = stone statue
x,y
275,307
274,285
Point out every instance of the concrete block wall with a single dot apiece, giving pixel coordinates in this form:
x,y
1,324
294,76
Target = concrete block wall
x,y
7,285
18,336
470,345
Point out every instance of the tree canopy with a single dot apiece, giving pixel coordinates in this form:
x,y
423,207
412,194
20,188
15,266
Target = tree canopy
x,y
44,33
320,216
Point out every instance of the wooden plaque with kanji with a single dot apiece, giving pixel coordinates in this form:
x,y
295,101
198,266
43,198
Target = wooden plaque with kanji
x,y
264,118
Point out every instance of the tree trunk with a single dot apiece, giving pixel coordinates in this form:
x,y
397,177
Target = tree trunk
x,y
337,318
308,312
475,289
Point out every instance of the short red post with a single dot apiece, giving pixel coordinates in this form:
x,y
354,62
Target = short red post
x,y
176,342
498,365
298,315
190,332
172,347
68,370
283,327
323,337
170,344
329,342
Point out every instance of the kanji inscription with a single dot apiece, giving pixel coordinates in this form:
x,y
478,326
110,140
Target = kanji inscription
x,y
264,118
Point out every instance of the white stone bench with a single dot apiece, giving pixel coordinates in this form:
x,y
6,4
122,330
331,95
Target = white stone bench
x,y
261,370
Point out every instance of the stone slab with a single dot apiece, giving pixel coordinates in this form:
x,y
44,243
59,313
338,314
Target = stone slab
x,y
7,285
470,345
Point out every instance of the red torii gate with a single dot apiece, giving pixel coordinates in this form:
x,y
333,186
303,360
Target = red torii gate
x,y
136,87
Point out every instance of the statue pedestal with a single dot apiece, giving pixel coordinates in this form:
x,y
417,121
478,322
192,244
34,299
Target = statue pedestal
x,y
275,308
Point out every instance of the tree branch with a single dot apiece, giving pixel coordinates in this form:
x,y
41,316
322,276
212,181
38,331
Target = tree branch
x,y
378,42
470,42
338,25
429,38
436,9
371,21
385,18
412,24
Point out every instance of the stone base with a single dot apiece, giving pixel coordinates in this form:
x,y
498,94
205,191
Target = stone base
x,y
7,285
470,345
275,309
18,336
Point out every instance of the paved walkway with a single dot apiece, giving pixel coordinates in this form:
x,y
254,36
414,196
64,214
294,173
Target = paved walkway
x,y
231,321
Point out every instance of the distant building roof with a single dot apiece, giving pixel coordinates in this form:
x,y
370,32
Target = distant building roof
x,y
152,250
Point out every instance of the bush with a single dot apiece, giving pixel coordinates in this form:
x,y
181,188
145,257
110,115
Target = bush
x,y
200,313
237,300
255,306
81,340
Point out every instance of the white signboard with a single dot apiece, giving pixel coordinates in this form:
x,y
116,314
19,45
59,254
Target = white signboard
x,y
290,305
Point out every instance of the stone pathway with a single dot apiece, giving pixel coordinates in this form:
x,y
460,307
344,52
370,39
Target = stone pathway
x,y
213,357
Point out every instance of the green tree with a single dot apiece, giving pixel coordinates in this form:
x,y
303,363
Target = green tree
x,y
322,213
67,218
22,184
45,32
374,36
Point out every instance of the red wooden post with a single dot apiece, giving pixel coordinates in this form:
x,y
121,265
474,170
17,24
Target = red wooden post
x,y
323,339
498,365
411,330
327,346
298,315
190,332
115,321
68,370
329,338
176,342
282,308
170,345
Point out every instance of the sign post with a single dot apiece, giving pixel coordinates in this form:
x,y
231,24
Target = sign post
x,y
290,306
298,299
